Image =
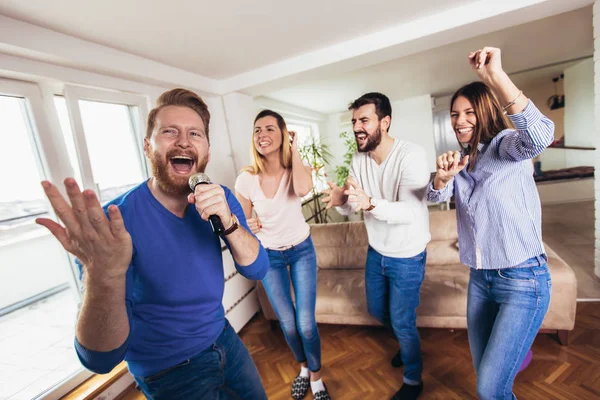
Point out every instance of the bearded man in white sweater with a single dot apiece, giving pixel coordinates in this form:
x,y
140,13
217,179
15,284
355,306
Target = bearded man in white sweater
x,y
388,180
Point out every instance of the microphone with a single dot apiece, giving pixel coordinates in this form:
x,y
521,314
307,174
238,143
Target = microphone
x,y
203,179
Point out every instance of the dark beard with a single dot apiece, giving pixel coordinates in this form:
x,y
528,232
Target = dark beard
x,y
373,140
173,185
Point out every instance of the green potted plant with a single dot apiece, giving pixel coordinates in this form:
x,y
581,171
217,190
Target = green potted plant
x,y
342,171
317,154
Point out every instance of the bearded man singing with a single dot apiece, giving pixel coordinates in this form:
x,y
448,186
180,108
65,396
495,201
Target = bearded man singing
x,y
152,268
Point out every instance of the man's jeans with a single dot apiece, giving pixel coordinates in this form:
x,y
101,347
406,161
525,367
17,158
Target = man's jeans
x,y
224,371
393,287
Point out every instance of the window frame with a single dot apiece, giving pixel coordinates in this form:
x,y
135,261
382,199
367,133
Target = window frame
x,y
138,110
51,153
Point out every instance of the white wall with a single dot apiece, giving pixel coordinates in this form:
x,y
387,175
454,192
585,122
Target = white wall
x,y
221,168
412,120
579,113
579,105
539,94
578,121
554,158
596,132
28,268
240,111
570,191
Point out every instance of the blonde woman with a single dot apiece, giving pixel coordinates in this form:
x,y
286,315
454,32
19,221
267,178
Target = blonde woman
x,y
273,187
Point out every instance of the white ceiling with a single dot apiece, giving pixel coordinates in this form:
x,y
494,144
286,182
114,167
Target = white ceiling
x,y
296,52
442,70
220,39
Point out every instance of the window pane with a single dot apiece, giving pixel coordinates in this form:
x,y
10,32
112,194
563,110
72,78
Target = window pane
x,y
37,308
65,124
113,148
303,133
312,152
21,197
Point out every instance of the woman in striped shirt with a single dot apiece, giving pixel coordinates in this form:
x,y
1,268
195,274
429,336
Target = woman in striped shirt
x,y
499,219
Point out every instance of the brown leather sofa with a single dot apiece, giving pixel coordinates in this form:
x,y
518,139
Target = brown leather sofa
x,y
341,254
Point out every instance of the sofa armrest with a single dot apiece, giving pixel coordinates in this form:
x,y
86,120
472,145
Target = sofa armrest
x,y
563,302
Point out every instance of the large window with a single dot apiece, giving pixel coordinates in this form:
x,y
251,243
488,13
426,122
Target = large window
x,y
112,144
313,151
95,137
108,134
37,297
21,196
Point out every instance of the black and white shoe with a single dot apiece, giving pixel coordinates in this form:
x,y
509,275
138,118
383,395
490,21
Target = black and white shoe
x,y
322,395
300,387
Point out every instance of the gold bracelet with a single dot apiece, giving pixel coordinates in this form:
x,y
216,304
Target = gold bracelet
x,y
512,103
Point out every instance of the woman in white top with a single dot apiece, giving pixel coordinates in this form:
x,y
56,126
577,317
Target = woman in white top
x,y
273,187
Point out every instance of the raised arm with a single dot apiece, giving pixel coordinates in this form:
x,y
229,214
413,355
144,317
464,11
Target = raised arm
x,y
104,249
534,131
301,174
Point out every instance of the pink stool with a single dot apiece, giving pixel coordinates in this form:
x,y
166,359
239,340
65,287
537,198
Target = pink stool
x,y
527,360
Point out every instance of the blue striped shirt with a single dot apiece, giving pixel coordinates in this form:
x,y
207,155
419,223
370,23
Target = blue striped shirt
x,y
497,203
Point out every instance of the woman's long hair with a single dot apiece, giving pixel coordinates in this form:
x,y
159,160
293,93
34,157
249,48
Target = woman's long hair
x,y
491,119
285,152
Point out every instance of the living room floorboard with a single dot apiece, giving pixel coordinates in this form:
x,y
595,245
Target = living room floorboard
x,y
356,362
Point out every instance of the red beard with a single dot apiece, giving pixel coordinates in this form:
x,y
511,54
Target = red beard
x,y
168,181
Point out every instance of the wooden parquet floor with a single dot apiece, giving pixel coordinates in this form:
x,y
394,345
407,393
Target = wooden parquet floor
x,y
356,362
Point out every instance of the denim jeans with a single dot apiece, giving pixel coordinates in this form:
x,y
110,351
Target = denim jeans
x,y
505,309
299,324
224,371
393,288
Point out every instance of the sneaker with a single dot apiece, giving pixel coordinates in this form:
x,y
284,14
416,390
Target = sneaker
x,y
300,387
322,395
408,392
397,360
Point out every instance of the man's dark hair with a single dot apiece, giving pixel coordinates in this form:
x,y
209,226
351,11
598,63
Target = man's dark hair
x,y
383,108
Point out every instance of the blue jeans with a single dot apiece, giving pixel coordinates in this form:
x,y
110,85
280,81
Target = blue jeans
x,y
299,324
224,371
505,309
393,288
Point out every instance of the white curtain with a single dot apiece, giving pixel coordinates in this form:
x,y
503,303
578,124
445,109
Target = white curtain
x,y
443,134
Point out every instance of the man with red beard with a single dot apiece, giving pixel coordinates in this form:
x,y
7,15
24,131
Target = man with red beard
x,y
388,180
153,270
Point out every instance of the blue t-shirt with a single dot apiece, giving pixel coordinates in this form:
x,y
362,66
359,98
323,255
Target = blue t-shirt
x,y
174,285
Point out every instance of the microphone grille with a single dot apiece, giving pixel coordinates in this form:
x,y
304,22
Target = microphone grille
x,y
198,178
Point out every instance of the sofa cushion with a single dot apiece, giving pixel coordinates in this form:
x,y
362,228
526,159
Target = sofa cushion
x,y
340,245
444,291
442,225
443,252
341,292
